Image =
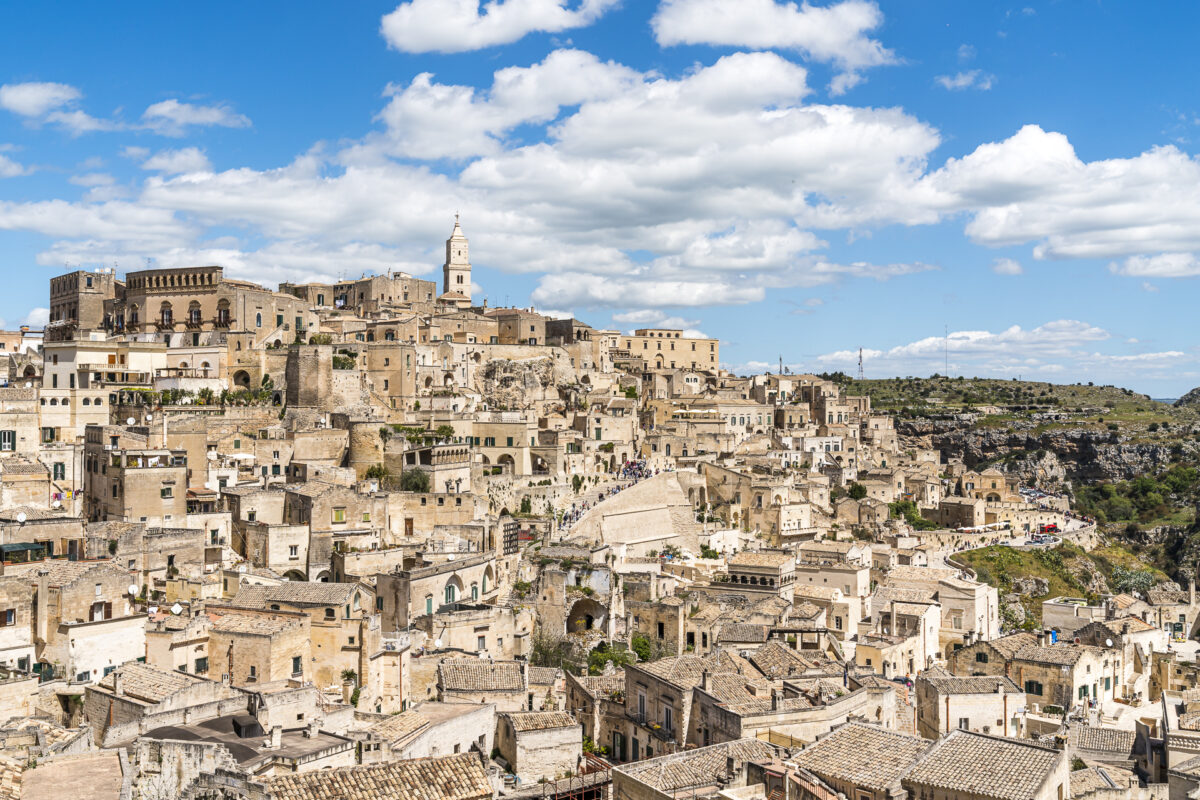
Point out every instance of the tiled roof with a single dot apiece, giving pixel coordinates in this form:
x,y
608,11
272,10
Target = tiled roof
x,y
696,768
523,721
743,632
975,684
1092,779
144,682
602,686
1008,646
454,777
544,676
776,660
686,671
1063,655
296,593
862,755
474,675
1091,737
967,763
1136,625
256,624
399,726
761,559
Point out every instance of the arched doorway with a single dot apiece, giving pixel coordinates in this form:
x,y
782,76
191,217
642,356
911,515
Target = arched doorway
x,y
587,615
241,378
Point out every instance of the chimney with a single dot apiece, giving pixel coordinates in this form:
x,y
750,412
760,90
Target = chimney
x,y
276,740
1124,628
774,699
1041,638
704,680
314,727
999,687
118,683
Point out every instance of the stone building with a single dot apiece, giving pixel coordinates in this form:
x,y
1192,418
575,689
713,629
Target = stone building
x,y
862,761
975,703
539,745
504,684
972,766
253,646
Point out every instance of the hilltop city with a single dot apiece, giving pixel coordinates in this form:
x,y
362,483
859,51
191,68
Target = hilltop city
x,y
376,539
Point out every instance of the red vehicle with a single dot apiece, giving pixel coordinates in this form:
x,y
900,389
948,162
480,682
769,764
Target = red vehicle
x,y
1051,528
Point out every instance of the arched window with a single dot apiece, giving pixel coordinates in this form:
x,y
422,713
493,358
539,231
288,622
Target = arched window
x,y
194,313
166,315
451,593
258,320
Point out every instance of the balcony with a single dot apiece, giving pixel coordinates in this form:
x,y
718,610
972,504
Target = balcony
x,y
223,322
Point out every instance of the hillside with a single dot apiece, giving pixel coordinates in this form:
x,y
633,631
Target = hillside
x,y
1024,578
1130,461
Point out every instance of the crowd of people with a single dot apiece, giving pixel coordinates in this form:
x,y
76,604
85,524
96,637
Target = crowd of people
x,y
632,472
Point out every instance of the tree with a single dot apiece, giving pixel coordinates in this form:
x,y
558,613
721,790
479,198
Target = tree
x,y
857,491
641,645
444,432
414,480
377,472
526,505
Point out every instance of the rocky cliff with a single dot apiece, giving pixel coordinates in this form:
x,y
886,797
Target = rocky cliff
x,y
1044,457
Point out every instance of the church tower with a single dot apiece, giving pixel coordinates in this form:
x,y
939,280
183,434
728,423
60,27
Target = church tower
x,y
456,272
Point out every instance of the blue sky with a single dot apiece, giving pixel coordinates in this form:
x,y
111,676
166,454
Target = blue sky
x,y
799,180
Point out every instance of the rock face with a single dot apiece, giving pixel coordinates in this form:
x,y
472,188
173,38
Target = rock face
x,y
1043,457
1033,587
503,383
1192,398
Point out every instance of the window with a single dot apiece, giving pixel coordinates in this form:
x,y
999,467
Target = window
x,y
251,516
662,630
253,672
60,471
9,617
366,516
296,665
339,514
8,441
293,551
166,492
330,613
1033,687
481,643
202,665
964,723
981,658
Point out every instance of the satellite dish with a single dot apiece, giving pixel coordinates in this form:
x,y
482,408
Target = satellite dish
x,y
130,421
1108,642
153,609
211,455
28,384
56,504
133,589
175,609
21,517
437,643
149,417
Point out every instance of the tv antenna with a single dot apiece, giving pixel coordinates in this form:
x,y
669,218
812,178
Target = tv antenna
x,y
860,364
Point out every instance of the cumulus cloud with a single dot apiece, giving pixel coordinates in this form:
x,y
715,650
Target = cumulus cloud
x,y
36,99
1163,265
1007,266
37,318
456,26
837,34
10,168
1033,188
173,118
971,79
174,162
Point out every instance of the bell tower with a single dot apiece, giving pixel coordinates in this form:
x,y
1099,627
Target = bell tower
x,y
456,272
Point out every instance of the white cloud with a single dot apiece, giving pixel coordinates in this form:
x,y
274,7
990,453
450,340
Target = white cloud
x,y
971,79
431,120
91,180
835,34
1007,266
172,118
37,317
1147,286
456,26
11,169
36,99
985,352
174,162
1032,187
1164,265
966,52
78,122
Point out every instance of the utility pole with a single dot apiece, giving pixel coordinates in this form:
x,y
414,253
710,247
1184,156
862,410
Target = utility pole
x,y
860,365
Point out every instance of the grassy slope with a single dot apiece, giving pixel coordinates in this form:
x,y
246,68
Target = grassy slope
x,y
999,566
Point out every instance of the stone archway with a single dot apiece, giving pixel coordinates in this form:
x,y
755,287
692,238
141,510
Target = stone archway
x,y
586,615
295,575
241,378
